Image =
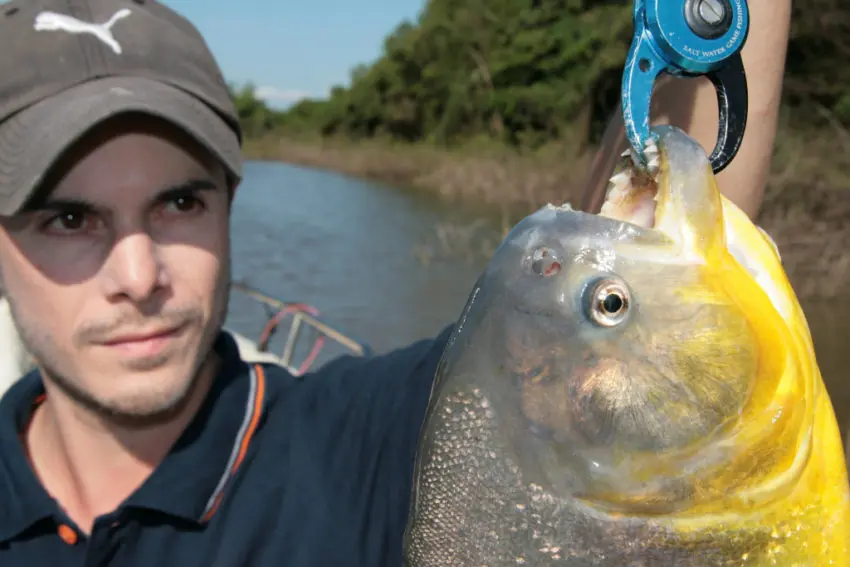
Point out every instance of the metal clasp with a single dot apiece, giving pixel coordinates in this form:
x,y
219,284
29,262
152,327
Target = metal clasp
x,y
688,39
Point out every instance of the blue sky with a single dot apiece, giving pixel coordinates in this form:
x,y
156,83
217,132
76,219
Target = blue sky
x,y
292,48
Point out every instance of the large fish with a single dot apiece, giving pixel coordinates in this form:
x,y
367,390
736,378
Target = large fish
x,y
632,388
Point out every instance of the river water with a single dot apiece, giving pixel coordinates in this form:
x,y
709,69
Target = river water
x,y
353,249
368,257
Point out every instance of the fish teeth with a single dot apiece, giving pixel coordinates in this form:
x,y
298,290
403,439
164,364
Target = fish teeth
x,y
652,155
617,187
620,182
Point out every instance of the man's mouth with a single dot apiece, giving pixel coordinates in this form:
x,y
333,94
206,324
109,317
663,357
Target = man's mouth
x,y
144,343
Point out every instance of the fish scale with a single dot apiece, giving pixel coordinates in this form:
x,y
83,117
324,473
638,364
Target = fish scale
x,y
465,481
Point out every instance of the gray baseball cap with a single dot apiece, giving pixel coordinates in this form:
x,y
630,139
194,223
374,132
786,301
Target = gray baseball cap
x,y
68,65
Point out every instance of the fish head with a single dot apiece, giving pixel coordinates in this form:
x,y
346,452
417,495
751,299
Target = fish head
x,y
630,388
629,345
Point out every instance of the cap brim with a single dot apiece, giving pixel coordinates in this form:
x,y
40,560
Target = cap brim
x,y
34,139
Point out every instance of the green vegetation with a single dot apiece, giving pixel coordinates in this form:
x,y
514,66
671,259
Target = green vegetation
x,y
501,102
514,71
526,73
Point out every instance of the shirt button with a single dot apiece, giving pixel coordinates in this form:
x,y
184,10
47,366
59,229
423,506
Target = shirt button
x,y
67,534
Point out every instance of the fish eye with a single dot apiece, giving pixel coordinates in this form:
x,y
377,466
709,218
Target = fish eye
x,y
608,302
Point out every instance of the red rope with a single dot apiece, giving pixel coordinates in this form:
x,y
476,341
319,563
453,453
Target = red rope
x,y
273,323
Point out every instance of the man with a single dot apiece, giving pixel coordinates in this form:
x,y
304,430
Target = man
x,y
143,438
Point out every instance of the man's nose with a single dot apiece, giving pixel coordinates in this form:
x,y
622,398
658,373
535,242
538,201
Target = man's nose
x,y
134,269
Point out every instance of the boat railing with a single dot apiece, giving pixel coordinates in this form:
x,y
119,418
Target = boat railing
x,y
301,316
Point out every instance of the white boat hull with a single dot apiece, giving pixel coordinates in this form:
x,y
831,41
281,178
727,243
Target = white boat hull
x,y
15,360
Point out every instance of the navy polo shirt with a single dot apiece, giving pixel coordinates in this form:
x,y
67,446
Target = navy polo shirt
x,y
274,470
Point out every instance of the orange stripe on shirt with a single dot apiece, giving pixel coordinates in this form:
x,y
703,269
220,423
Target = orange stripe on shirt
x,y
257,410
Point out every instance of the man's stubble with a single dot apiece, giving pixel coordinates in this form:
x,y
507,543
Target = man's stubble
x,y
39,343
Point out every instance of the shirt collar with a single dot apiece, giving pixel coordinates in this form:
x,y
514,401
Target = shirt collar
x,y
188,483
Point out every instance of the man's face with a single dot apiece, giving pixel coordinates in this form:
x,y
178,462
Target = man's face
x,y
118,277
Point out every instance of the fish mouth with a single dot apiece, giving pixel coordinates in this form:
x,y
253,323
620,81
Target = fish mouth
x,y
673,193
632,193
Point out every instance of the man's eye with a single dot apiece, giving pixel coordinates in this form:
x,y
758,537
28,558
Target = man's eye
x,y
70,222
183,204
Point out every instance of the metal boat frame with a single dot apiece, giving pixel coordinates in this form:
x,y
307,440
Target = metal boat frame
x,y
302,315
